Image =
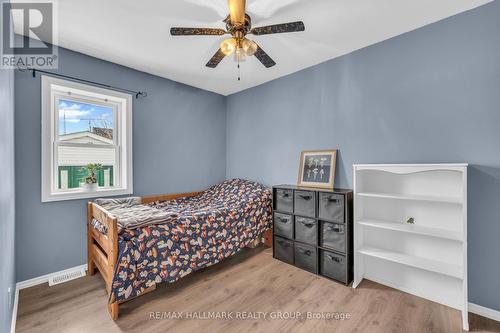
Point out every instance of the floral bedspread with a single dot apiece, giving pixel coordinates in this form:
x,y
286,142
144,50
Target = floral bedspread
x,y
209,227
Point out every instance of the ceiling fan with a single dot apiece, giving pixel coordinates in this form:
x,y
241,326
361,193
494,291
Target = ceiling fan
x,y
239,24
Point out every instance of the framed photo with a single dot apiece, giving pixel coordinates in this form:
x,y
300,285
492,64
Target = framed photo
x,y
317,168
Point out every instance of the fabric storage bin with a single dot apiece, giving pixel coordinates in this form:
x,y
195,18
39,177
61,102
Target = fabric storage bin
x,y
331,207
333,235
283,250
284,200
305,203
311,221
305,257
333,265
283,225
306,230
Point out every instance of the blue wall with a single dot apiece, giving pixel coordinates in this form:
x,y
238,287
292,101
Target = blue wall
x,y
7,207
431,95
179,145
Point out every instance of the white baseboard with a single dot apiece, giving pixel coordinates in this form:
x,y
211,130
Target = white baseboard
x,y
485,312
45,278
14,312
33,282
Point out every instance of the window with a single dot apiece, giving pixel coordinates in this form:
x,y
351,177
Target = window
x,y
81,125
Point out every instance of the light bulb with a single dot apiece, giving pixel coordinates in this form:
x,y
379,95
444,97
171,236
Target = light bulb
x,y
249,46
228,46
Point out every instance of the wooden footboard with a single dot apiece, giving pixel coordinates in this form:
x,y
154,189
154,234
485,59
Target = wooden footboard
x,y
102,249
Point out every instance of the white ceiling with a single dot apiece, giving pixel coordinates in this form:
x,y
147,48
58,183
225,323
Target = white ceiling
x,y
136,33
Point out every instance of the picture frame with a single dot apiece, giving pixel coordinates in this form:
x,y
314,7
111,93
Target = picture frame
x,y
317,168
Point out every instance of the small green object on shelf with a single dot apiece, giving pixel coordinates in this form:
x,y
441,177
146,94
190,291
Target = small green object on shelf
x,y
410,220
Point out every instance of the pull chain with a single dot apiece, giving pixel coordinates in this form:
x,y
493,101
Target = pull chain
x,y
239,78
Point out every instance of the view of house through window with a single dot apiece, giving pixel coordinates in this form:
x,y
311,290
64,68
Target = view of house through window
x,y
86,141
86,134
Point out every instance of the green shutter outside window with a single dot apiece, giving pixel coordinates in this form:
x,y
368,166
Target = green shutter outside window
x,y
77,174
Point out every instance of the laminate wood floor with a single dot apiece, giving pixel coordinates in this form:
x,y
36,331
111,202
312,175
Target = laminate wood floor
x,y
252,281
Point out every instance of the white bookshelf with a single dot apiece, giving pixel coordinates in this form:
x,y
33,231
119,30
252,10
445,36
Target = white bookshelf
x,y
427,258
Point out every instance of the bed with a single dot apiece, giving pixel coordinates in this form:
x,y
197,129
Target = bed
x,y
175,235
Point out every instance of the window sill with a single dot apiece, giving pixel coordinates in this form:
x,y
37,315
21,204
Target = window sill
x,y
75,195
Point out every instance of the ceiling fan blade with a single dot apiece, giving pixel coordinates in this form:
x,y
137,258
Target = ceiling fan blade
x,y
196,31
216,59
237,11
264,58
279,28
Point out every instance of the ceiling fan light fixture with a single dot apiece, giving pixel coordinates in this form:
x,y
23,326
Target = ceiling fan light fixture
x,y
228,46
249,46
239,25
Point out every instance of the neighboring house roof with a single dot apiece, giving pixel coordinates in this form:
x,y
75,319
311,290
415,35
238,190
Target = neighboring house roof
x,y
85,137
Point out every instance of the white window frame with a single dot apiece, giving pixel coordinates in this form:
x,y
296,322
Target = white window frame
x,y
54,89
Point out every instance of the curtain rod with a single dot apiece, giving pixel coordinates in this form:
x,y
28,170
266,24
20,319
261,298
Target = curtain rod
x,y
136,93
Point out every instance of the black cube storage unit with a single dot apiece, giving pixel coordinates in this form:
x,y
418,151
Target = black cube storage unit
x,y
312,230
